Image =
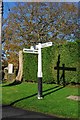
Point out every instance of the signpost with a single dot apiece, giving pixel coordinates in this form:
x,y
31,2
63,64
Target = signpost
x,y
37,50
30,51
46,44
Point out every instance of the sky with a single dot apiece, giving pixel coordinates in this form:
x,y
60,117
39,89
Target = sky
x,y
41,0
8,4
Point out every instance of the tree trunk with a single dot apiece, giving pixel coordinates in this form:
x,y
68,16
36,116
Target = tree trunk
x,y
20,71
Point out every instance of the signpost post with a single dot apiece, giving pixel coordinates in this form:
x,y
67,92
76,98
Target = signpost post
x,y
39,72
37,50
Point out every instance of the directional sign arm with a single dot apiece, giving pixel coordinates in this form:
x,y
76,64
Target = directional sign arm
x,y
46,44
30,51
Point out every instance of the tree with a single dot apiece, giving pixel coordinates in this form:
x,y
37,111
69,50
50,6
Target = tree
x,y
30,23
20,72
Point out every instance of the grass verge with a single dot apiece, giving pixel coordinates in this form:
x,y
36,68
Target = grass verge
x,y
55,100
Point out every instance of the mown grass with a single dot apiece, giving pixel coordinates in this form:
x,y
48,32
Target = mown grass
x,y
55,100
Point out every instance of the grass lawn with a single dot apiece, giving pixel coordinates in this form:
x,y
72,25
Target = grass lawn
x,y
54,102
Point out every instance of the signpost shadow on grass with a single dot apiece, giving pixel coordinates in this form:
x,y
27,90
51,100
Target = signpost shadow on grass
x,y
23,99
50,89
35,94
53,91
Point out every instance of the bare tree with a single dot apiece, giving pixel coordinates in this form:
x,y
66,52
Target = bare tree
x,y
30,23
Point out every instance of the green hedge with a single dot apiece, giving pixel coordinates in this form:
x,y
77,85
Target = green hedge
x,y
30,67
69,55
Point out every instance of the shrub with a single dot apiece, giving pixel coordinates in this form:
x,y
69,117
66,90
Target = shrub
x,y
69,55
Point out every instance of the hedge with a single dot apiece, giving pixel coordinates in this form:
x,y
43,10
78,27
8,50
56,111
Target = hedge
x,y
69,55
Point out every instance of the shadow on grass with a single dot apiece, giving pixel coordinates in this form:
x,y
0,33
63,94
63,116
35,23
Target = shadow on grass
x,y
13,83
23,99
53,91
50,88
37,93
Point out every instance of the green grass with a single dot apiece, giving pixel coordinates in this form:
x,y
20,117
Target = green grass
x,y
54,102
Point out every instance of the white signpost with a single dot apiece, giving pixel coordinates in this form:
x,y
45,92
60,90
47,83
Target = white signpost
x,y
48,44
37,50
30,51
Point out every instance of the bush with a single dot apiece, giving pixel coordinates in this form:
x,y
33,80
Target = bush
x,y
69,55
30,67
